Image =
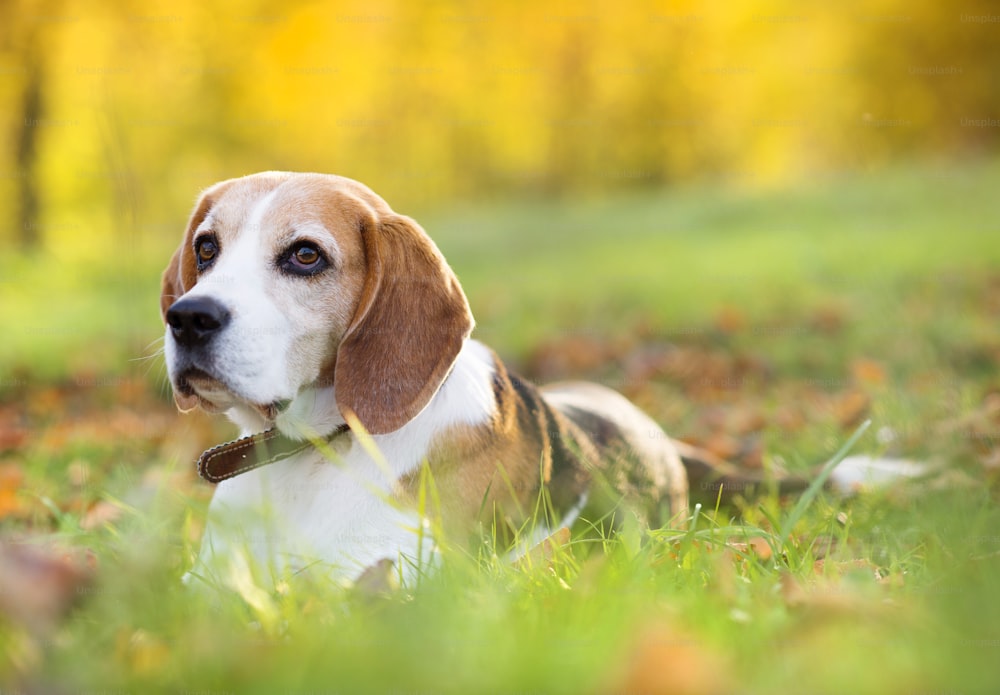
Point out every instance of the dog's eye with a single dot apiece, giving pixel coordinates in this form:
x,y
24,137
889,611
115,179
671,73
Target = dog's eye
x,y
306,255
206,249
303,258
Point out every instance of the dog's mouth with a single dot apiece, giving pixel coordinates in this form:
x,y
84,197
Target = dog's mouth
x,y
197,387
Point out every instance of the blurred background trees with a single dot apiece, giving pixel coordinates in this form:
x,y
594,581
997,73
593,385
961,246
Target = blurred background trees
x,y
116,114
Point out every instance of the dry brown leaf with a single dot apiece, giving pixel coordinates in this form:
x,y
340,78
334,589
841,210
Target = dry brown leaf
x,y
829,319
724,579
730,319
792,591
746,418
722,445
789,418
868,371
38,584
751,455
850,408
665,661
11,480
829,594
13,435
570,356
377,580
700,372
758,546
822,598
99,514
645,362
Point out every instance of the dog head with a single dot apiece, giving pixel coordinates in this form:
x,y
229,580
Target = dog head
x,y
288,285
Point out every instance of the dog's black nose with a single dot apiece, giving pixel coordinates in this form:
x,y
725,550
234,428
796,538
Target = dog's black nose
x,y
193,321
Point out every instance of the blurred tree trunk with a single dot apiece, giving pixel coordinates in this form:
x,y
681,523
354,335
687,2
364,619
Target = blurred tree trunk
x,y
23,36
27,149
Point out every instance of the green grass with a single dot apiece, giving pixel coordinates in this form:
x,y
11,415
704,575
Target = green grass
x,y
484,626
889,592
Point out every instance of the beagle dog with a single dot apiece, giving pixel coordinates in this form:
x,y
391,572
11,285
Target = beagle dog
x,y
331,330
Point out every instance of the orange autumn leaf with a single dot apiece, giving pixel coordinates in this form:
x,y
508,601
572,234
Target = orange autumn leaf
x,y
665,660
758,546
850,408
730,319
11,479
868,371
12,434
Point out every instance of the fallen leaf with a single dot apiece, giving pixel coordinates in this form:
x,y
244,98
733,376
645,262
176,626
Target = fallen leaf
x,y
792,591
730,320
829,319
746,418
789,418
868,371
724,446
570,356
39,584
850,408
829,595
751,454
13,434
758,546
100,513
377,580
645,361
701,372
11,479
665,660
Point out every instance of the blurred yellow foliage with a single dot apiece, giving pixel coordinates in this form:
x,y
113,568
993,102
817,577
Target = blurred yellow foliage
x,y
117,113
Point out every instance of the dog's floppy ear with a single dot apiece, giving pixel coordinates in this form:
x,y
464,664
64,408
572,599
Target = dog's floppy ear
x,y
181,273
407,331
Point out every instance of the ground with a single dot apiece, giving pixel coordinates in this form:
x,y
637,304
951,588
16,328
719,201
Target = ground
x,y
767,326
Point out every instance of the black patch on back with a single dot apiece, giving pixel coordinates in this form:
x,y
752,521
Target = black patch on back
x,y
603,432
563,459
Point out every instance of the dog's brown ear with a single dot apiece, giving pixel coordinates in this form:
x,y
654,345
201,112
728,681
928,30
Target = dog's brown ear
x,y
407,330
181,273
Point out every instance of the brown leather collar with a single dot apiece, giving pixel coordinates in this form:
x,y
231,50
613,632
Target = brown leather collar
x,y
241,455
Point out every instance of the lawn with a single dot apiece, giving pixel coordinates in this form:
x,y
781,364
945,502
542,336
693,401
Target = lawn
x,y
767,326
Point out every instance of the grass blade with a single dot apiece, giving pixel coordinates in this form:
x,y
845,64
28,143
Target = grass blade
x,y
810,494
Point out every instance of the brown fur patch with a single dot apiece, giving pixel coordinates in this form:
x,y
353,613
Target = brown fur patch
x,y
494,473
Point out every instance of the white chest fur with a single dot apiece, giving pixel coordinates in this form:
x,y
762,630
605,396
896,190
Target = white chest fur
x,y
335,511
